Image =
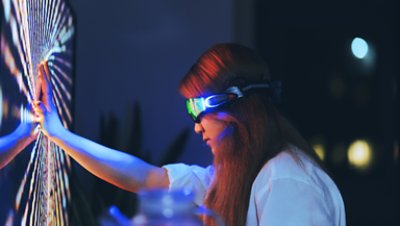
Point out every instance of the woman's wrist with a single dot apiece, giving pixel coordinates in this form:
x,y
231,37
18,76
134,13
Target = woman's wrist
x,y
57,132
23,131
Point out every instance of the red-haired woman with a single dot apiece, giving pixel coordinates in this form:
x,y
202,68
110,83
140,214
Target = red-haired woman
x,y
264,172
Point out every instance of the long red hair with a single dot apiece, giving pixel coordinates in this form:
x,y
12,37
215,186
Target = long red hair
x,y
257,131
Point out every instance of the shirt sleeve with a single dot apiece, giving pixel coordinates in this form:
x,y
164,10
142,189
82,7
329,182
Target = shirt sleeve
x,y
287,201
192,178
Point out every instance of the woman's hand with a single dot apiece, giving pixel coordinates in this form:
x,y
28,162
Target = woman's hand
x,y
27,128
46,110
13,143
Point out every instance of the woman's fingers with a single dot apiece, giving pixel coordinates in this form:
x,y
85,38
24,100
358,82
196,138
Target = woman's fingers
x,y
44,76
39,110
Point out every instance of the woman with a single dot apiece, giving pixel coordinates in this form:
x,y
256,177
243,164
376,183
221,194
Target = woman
x,y
264,172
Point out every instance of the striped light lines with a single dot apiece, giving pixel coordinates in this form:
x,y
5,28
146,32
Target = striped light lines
x,y
36,31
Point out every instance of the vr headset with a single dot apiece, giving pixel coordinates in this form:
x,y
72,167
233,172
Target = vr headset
x,y
198,106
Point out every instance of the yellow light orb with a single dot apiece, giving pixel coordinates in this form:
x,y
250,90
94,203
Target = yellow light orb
x,y
320,151
360,154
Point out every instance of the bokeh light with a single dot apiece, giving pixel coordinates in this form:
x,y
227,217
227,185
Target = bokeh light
x,y
360,154
318,144
320,151
359,47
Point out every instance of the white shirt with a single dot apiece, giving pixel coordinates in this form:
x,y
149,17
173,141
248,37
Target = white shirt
x,y
285,192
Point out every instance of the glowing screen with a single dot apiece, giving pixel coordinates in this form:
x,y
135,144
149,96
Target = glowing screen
x,y
34,187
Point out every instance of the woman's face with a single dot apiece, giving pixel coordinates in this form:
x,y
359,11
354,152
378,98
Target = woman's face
x,y
212,127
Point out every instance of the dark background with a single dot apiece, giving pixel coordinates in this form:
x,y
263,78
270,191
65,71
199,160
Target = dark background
x,y
336,98
131,55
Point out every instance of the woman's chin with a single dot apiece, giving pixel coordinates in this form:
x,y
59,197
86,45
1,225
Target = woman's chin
x,y
212,151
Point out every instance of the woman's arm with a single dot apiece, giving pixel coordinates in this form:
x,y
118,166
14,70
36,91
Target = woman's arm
x,y
13,143
115,167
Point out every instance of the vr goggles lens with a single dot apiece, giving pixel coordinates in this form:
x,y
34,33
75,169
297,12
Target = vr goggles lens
x,y
198,106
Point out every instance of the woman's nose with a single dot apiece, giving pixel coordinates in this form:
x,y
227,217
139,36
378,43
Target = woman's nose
x,y
198,128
